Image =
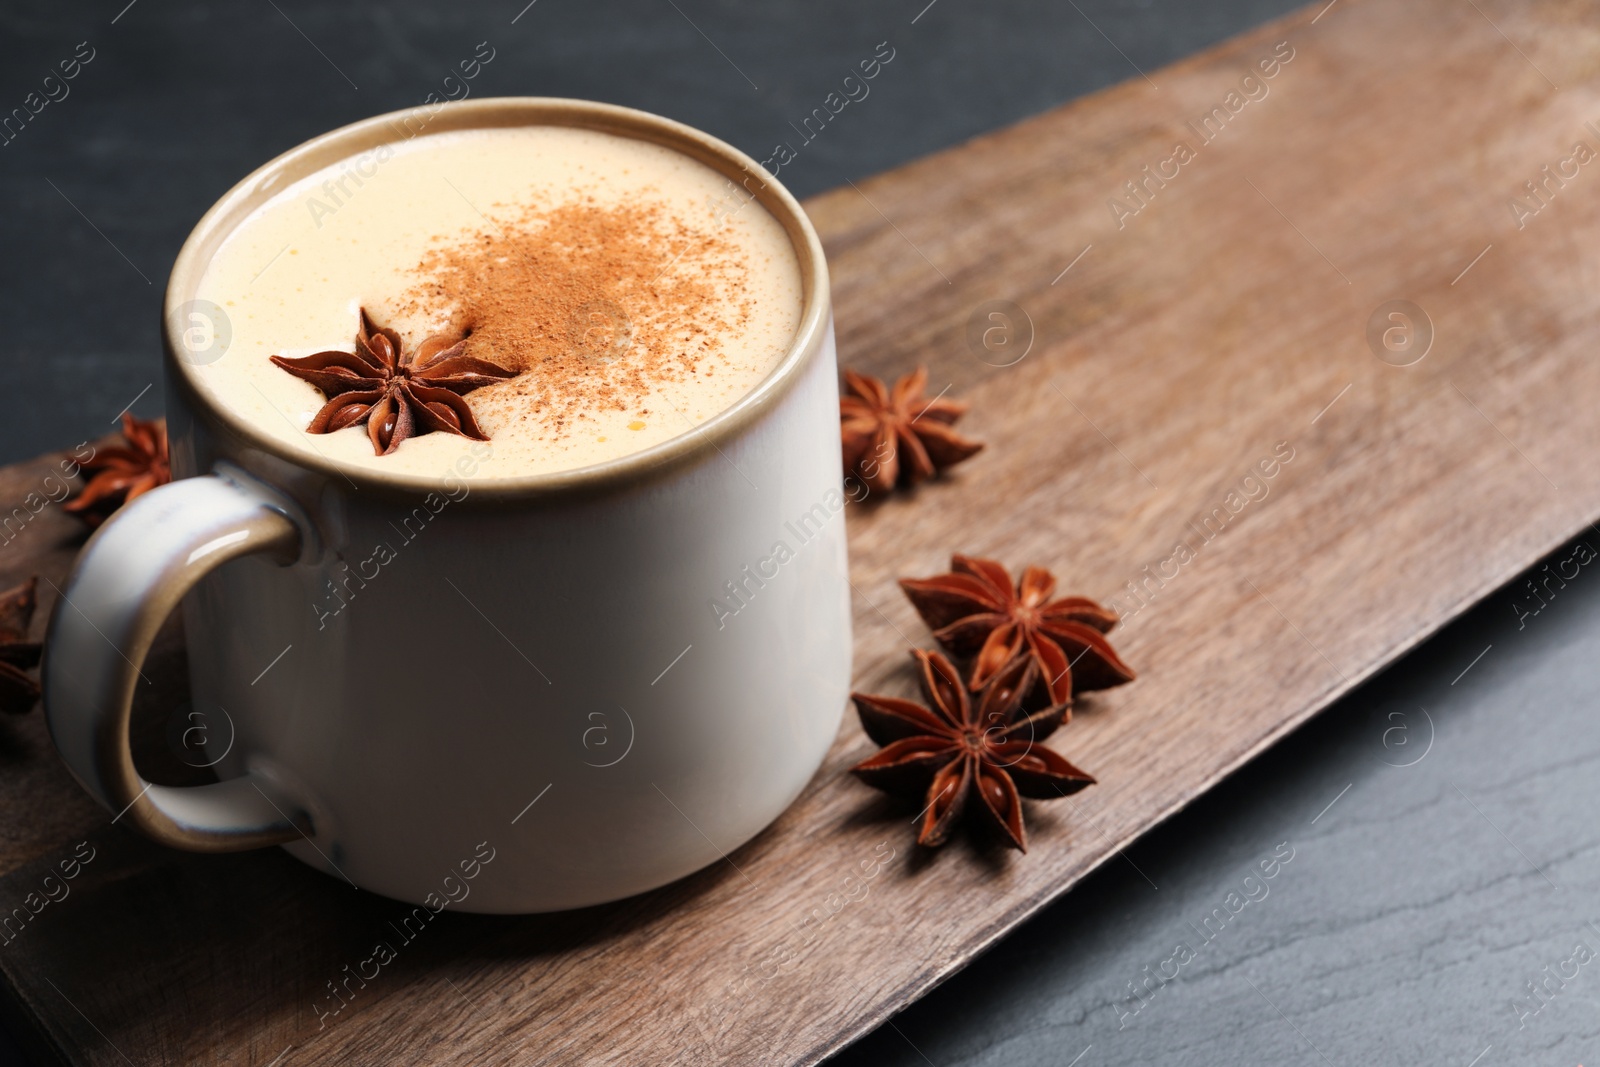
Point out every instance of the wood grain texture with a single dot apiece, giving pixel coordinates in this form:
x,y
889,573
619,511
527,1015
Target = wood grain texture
x,y
1224,321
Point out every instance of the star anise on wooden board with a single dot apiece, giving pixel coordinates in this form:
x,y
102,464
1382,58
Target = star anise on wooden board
x,y
397,395
954,749
18,689
118,475
897,436
975,610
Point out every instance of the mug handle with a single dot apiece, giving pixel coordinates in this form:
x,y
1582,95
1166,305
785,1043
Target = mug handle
x,y
131,574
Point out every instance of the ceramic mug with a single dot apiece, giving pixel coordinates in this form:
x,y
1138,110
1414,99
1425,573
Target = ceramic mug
x,y
603,678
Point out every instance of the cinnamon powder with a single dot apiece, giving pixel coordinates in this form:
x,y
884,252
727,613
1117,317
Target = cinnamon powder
x,y
600,307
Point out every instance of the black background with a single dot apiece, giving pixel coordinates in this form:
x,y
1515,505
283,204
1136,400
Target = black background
x,y
1416,907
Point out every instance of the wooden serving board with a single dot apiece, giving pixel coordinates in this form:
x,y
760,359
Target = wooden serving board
x,y
1218,321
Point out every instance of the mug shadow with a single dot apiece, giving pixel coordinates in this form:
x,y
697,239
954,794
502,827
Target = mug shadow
x,y
15,751
262,944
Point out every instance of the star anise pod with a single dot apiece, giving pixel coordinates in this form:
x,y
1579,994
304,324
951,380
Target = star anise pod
x,y
397,395
955,748
894,436
118,475
976,610
18,690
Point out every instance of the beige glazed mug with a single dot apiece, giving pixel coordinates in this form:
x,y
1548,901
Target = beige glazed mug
x,y
541,676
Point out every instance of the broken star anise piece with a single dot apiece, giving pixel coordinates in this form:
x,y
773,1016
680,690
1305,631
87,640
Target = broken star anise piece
x,y
18,690
398,395
118,475
974,610
955,748
895,436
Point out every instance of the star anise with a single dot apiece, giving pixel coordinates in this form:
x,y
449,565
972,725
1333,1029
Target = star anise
x,y
18,690
894,436
118,475
397,395
975,610
953,748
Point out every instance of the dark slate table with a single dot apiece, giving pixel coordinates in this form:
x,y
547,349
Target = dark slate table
x,y
1431,839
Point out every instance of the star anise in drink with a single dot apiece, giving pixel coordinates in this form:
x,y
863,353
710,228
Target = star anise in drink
x,y
398,395
954,750
898,436
118,475
975,610
18,690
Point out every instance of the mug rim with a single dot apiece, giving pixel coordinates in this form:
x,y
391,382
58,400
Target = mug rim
x,y
696,443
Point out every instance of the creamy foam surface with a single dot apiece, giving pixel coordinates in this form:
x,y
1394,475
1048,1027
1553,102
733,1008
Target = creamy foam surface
x,y
636,294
